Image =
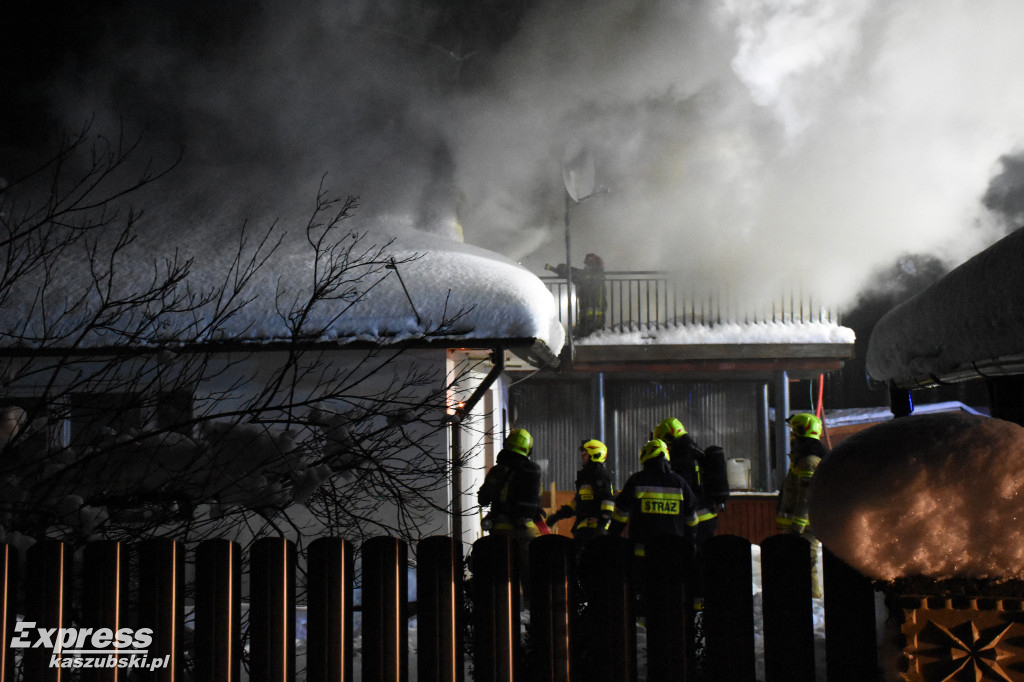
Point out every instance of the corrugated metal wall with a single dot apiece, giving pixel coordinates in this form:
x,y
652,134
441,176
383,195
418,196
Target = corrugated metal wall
x,y
559,412
721,413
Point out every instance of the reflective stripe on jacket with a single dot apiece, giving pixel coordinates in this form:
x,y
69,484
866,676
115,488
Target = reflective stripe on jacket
x,y
792,515
656,501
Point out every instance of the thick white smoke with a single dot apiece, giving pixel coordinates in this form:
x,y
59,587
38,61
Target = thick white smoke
x,y
751,142
748,145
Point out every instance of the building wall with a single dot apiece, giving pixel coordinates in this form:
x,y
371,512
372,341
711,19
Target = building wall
x,y
232,380
560,412
482,433
720,413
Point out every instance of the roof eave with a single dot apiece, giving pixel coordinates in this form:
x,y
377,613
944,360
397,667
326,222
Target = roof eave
x,y
532,350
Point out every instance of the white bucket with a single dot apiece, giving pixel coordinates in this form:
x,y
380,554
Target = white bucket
x,y
738,472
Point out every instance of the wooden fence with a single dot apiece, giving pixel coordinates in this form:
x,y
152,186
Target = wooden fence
x,y
582,616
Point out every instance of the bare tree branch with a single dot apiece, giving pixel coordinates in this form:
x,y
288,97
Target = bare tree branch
x,y
133,410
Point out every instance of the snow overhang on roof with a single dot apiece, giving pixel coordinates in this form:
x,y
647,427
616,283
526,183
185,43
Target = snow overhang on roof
x,y
438,293
749,349
969,324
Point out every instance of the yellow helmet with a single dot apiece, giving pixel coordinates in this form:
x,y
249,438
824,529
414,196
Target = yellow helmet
x,y
805,425
519,440
669,429
653,448
596,450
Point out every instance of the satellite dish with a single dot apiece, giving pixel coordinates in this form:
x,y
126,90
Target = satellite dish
x,y
578,171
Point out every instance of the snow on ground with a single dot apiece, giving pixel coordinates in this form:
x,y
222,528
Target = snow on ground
x,y
939,495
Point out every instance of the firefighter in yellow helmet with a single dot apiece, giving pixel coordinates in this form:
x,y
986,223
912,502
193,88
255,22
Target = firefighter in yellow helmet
x,y
512,489
655,500
595,495
806,453
704,470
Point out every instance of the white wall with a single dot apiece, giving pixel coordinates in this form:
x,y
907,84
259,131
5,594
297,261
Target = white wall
x,y
482,432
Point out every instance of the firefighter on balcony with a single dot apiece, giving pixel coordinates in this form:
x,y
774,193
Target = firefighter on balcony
x,y
594,501
589,285
655,500
705,473
806,453
512,490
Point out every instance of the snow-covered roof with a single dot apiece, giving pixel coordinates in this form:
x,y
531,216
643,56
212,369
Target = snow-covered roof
x,y
439,291
727,333
968,324
489,297
867,415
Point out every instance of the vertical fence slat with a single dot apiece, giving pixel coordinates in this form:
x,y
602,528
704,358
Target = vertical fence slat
x,y
668,561
218,611
330,571
8,610
851,650
728,609
439,603
105,597
272,610
162,603
597,644
609,628
495,589
385,624
788,614
49,591
552,606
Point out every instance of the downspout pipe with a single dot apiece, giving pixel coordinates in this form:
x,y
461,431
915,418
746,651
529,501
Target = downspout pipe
x,y
455,425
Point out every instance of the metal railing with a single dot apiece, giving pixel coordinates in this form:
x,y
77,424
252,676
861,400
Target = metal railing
x,y
644,300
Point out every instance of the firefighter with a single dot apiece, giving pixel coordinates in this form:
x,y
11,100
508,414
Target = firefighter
x,y
655,500
705,474
589,285
594,501
512,488
806,453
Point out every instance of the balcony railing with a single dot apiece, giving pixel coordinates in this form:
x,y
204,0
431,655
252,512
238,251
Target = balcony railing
x,y
638,301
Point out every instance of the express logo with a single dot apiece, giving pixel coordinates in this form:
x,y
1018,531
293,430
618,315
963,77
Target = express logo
x,y
90,647
80,640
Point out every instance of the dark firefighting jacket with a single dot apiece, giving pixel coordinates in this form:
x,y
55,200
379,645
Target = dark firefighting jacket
x,y
655,501
512,489
805,457
594,501
688,460
589,284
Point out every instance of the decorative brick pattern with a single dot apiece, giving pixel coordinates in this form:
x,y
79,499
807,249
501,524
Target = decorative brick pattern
x,y
963,638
